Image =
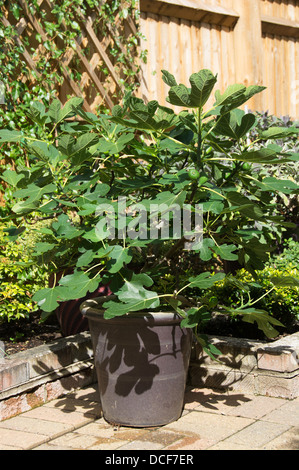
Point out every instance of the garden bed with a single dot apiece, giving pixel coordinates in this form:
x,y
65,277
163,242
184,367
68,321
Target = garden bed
x,y
223,325
26,333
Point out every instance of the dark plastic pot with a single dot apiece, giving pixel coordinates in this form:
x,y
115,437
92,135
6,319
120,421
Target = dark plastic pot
x,y
141,361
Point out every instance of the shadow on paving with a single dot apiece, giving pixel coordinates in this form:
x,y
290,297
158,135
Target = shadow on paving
x,y
86,402
210,401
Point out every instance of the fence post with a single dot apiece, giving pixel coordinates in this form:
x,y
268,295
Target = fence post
x,y
248,47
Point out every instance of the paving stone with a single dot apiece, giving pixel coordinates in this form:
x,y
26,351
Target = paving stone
x,y
75,441
240,405
130,434
190,443
73,418
289,440
98,430
20,439
49,446
256,407
257,434
37,426
82,440
111,444
224,445
141,445
211,420
209,426
76,404
101,429
287,413
4,447
88,393
195,397
162,436
221,402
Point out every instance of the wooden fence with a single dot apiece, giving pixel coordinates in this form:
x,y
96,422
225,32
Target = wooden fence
x,y
243,41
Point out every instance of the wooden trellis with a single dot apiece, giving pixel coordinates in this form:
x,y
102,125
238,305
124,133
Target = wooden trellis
x,y
90,54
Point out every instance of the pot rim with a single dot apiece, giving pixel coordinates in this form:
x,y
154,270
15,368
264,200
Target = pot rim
x,y
91,309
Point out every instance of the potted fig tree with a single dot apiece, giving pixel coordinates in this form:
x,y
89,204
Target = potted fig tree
x,y
156,205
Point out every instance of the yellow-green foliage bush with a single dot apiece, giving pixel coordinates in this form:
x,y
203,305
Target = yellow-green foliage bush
x,y
19,278
281,302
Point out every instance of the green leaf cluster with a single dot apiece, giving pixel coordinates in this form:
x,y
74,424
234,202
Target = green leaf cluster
x,y
50,41
19,278
112,186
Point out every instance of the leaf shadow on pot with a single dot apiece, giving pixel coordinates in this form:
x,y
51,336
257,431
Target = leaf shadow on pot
x,y
128,360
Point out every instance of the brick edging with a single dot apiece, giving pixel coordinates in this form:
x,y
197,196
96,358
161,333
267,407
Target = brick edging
x,y
33,377
250,366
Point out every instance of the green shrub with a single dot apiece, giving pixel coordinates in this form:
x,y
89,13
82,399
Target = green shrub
x,y
19,278
282,303
289,257
144,154
287,204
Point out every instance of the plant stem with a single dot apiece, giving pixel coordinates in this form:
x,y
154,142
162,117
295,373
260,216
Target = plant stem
x,y
213,191
199,139
260,298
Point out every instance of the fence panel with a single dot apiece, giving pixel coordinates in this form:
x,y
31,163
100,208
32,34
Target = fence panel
x,y
255,42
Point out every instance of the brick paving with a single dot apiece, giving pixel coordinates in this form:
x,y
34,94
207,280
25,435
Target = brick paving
x,y
211,420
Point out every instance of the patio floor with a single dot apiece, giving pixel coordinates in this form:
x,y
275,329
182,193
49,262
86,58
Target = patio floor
x,y
211,420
